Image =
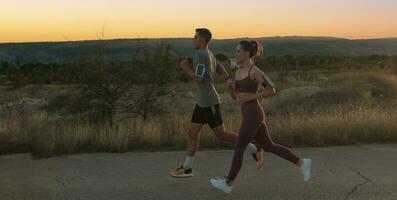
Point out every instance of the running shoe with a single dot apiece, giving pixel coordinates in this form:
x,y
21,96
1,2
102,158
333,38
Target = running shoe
x,y
221,184
182,173
259,158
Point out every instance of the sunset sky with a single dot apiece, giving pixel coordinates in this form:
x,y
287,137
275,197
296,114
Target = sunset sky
x,y
62,20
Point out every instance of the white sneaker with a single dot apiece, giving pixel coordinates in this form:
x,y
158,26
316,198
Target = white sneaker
x,y
306,168
221,184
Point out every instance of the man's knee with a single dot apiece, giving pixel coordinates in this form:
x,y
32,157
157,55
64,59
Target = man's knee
x,y
220,135
219,132
193,135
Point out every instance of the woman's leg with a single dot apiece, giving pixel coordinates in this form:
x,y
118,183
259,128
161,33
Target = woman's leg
x,y
247,132
263,138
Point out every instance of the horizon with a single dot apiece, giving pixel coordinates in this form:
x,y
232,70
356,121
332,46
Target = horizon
x,y
165,38
73,20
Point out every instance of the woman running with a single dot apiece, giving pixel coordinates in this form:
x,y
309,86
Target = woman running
x,y
244,88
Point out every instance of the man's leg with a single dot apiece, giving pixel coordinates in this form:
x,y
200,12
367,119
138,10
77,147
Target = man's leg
x,y
193,142
198,121
223,135
193,138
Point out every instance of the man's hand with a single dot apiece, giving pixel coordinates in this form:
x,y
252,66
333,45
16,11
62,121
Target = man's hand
x,y
197,79
184,63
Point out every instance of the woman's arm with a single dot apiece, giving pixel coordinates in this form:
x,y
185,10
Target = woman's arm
x,y
266,90
245,97
232,88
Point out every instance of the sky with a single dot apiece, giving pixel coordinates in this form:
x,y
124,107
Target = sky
x,y
69,20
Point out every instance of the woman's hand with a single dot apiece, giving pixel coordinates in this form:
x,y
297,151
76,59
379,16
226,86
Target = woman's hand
x,y
267,92
230,83
245,97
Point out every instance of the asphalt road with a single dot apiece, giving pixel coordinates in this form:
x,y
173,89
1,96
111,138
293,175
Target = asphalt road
x,y
339,173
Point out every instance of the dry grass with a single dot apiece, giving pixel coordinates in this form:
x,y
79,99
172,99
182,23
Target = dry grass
x,y
340,127
340,109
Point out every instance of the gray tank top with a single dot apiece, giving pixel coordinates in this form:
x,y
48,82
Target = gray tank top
x,y
207,96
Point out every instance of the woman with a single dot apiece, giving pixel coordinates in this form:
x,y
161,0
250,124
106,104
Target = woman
x,y
244,88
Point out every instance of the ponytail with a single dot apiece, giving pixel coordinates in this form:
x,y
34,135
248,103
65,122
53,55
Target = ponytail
x,y
253,47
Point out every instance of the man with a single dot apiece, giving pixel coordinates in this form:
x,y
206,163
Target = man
x,y
207,109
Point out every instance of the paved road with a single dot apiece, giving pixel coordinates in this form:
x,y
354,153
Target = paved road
x,y
354,172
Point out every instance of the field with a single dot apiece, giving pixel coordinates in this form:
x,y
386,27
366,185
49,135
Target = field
x,y
312,108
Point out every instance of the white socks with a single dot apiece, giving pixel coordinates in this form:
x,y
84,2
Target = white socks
x,y
306,168
188,162
252,148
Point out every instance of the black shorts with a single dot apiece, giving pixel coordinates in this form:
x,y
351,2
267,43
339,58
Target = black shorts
x,y
207,115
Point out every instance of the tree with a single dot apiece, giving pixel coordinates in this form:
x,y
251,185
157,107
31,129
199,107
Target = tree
x,y
105,89
394,64
156,72
97,85
3,67
14,75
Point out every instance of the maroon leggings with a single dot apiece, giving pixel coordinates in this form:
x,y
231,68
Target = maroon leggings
x,y
253,126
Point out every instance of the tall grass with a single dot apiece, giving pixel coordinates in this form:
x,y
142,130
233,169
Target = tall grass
x,y
339,127
43,138
347,108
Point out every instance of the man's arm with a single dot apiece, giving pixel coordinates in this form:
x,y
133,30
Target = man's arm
x,y
184,65
232,88
221,74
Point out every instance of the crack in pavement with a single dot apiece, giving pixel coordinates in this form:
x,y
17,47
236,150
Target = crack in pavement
x,y
62,182
362,176
67,181
367,180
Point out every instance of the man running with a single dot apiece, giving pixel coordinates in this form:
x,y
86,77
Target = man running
x,y
207,109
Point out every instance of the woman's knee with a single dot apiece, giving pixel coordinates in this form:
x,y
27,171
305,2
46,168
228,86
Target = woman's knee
x,y
239,152
239,148
269,147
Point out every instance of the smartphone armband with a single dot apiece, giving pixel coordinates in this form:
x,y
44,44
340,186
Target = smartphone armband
x,y
200,70
268,82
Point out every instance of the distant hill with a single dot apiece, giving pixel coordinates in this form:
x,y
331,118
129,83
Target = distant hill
x,y
122,49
